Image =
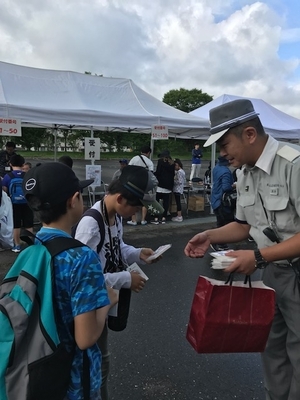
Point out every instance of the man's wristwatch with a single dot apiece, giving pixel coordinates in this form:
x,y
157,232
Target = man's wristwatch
x,y
260,262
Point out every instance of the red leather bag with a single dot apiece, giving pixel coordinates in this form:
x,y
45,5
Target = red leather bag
x,y
230,318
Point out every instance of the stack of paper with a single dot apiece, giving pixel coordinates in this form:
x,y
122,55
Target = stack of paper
x,y
221,261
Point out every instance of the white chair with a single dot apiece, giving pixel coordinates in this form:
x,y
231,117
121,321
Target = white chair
x,y
97,192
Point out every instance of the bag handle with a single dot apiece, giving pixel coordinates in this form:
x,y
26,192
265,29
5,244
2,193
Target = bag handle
x,y
246,280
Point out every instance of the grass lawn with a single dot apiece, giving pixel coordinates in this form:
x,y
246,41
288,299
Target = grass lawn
x,y
104,156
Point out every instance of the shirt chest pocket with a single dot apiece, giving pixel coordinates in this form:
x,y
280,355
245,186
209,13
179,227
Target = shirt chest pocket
x,y
275,203
278,212
247,202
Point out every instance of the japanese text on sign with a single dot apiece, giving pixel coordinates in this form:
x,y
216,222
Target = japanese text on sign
x,y
92,148
159,132
10,127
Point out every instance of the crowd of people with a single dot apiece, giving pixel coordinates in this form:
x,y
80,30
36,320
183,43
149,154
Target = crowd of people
x,y
12,170
267,199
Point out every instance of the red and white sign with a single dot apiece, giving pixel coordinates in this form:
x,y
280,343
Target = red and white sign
x,y
10,127
159,132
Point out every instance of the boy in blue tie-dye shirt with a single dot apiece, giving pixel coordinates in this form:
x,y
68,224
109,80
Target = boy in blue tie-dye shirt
x,y
80,294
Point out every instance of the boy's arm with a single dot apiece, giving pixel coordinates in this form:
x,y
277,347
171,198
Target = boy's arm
x,y
89,326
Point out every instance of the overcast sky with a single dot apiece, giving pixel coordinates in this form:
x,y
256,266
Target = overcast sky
x,y
238,47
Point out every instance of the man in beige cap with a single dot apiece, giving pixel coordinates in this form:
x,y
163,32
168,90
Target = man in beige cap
x,y
268,208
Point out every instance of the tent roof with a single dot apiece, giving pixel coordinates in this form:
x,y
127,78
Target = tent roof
x,y
41,97
276,123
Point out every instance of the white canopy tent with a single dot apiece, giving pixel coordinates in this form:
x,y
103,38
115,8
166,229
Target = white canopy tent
x,y
50,98
276,123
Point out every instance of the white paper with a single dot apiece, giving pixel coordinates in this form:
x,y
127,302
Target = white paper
x,y
158,252
221,262
136,268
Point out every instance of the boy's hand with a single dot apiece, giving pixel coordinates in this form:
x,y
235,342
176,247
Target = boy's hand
x,y
113,296
137,282
145,253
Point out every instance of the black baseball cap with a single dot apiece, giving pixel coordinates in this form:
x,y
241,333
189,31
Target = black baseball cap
x,y
142,184
53,183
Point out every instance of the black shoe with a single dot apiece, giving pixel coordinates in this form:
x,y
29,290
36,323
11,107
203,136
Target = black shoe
x,y
223,247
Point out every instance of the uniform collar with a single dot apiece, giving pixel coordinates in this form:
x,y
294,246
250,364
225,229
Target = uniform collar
x,y
267,156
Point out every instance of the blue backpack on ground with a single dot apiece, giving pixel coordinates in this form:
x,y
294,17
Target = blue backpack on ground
x,y
15,189
34,364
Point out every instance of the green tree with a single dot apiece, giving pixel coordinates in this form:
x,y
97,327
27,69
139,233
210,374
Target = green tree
x,y
186,100
31,137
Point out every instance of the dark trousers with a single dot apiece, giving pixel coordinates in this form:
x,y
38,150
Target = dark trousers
x,y
166,199
178,201
224,216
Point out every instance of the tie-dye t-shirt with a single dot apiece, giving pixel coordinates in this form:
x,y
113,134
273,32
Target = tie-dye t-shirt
x,y
79,288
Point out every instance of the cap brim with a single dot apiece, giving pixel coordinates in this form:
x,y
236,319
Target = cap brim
x,y
84,184
153,207
215,137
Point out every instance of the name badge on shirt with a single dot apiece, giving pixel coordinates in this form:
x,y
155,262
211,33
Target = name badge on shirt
x,y
274,192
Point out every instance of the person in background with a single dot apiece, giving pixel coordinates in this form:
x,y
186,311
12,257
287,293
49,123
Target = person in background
x,y
164,173
268,208
223,183
123,163
5,155
83,300
22,213
67,160
142,160
196,162
26,166
179,182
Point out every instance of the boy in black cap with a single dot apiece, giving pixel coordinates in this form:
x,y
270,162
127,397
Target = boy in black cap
x,y
268,209
53,190
135,187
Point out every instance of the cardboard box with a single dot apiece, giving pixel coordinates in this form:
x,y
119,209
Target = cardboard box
x,y
172,206
196,203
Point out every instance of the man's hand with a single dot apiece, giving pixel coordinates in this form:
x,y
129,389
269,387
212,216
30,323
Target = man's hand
x,y
244,262
197,246
137,282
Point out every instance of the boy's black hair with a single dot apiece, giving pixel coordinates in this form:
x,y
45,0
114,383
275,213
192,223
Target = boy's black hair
x,y
47,216
10,144
67,160
16,160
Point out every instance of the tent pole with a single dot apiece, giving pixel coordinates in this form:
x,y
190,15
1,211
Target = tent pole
x,y
93,163
212,164
55,142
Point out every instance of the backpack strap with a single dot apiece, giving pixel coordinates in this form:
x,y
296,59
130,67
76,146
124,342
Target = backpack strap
x,y
12,175
94,213
142,158
59,244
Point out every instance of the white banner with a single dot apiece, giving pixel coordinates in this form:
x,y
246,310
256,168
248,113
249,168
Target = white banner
x,y
91,148
10,127
159,132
